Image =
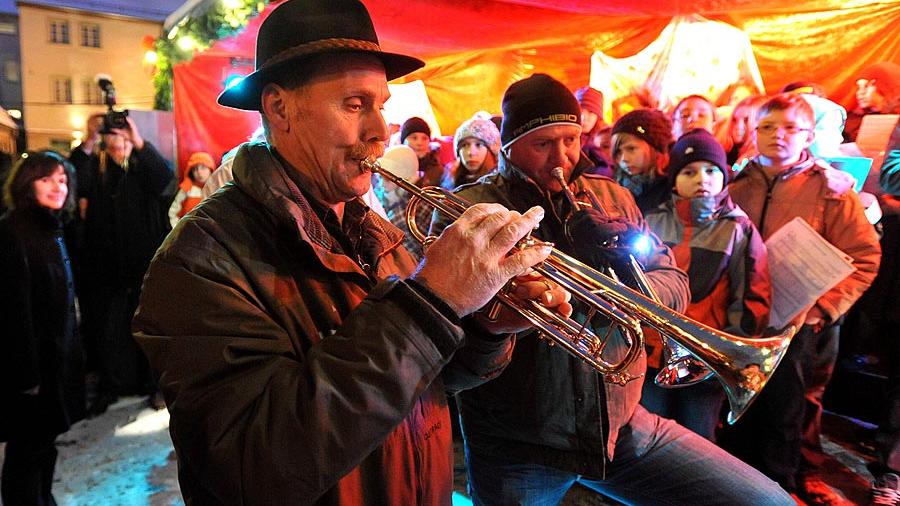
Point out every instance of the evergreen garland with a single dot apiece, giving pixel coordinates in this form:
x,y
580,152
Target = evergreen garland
x,y
202,31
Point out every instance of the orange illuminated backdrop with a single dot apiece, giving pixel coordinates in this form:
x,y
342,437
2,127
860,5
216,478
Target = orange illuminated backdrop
x,y
476,48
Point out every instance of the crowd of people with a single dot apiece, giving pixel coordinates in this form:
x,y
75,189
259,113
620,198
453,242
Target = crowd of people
x,y
310,351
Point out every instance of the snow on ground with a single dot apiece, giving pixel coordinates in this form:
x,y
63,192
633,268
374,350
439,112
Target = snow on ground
x,y
122,458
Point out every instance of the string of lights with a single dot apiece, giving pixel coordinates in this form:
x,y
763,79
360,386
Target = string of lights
x,y
195,34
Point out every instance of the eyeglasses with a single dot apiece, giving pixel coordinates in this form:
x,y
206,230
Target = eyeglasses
x,y
788,129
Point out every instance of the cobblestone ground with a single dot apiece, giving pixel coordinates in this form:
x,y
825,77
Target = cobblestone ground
x,y
125,457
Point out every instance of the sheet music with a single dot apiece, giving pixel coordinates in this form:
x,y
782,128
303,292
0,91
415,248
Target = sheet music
x,y
803,266
874,132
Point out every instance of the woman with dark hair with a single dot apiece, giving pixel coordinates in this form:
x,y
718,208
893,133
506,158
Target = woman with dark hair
x,y
39,349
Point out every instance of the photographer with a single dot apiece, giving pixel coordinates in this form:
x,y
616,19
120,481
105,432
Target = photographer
x,y
124,225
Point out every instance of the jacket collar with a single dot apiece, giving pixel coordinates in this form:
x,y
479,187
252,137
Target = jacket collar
x,y
704,209
38,216
806,162
262,174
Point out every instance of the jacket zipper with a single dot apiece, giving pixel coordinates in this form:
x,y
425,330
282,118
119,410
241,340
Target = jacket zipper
x,y
762,216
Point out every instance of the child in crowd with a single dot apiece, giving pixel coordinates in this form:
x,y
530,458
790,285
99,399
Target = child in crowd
x,y
416,134
640,148
591,102
877,92
40,351
693,111
830,118
719,247
782,182
391,201
737,137
190,192
476,144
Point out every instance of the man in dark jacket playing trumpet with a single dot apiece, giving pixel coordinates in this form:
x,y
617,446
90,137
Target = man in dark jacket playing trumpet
x,y
549,419
303,356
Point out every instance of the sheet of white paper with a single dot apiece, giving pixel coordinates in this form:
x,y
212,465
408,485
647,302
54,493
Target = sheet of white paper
x,y
874,132
802,267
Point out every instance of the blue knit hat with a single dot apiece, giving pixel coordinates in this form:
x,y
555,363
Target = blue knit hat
x,y
697,145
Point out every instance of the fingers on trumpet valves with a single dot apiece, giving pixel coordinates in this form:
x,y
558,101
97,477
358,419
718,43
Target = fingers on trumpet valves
x,y
535,287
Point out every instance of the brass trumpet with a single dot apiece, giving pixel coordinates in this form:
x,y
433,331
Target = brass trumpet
x,y
679,367
742,365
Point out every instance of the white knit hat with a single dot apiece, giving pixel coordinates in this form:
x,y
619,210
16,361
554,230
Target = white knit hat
x,y
481,129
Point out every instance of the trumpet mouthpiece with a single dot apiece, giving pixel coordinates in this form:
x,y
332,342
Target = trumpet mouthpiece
x,y
369,164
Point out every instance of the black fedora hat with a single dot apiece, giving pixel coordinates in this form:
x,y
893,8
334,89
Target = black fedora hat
x,y
299,29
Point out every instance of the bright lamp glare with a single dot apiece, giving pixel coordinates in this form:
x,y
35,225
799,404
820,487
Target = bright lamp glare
x,y
186,43
641,245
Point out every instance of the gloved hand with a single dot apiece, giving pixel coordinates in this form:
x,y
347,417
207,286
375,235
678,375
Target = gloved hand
x,y
598,240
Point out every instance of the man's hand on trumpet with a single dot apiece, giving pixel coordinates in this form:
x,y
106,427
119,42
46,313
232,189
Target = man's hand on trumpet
x,y
532,286
476,256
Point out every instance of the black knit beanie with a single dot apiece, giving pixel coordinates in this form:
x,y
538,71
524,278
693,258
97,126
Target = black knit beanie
x,y
413,125
696,145
590,100
650,125
536,102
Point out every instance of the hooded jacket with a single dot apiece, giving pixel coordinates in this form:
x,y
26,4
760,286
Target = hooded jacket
x,y
295,374
725,259
548,407
824,198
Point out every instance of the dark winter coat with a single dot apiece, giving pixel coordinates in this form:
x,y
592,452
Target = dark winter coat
x,y
548,407
293,374
725,258
126,217
880,301
39,346
890,169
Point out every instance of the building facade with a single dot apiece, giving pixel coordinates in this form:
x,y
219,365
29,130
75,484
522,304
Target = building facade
x,y
64,48
10,78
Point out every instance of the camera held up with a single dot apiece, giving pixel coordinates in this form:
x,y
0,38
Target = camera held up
x,y
113,118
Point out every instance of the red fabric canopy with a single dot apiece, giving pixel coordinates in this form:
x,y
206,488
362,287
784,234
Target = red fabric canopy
x,y
475,49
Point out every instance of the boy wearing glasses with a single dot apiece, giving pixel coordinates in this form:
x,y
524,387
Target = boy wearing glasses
x,y
783,182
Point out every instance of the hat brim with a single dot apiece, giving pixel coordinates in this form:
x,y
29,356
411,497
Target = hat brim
x,y
246,94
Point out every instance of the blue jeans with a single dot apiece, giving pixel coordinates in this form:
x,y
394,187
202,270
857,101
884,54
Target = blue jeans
x,y
696,407
656,462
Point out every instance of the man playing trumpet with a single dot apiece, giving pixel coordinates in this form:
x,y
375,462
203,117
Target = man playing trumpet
x,y
303,357
550,420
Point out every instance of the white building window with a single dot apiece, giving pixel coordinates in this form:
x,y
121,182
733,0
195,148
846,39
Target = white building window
x,y
59,31
11,71
61,90
90,35
91,92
